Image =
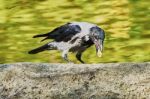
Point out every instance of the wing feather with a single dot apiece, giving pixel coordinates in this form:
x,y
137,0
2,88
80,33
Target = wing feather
x,y
62,33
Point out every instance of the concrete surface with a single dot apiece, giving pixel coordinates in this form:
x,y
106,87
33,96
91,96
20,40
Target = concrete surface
x,y
75,81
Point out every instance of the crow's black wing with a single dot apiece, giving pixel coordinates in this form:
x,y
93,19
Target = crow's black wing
x,y
62,33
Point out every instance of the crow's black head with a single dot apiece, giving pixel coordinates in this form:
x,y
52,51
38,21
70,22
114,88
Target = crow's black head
x,y
97,35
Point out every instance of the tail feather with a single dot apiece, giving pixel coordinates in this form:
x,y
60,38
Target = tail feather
x,y
39,49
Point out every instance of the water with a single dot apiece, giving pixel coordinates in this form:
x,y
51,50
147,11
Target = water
x,y
126,23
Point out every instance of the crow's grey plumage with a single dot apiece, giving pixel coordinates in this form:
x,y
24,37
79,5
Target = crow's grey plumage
x,y
73,37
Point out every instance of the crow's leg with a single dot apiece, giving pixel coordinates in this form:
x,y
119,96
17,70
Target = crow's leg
x,y
65,56
78,56
79,53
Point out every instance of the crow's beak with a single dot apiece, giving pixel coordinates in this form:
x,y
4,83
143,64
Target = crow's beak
x,y
99,47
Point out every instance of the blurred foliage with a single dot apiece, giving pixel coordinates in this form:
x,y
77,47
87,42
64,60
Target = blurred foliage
x,y
126,23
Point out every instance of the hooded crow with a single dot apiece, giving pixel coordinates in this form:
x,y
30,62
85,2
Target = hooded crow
x,y
73,37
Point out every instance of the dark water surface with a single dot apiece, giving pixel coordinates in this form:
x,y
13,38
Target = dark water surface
x,y
126,23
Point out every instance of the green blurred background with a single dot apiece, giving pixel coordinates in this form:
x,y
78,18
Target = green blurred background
x,y
126,23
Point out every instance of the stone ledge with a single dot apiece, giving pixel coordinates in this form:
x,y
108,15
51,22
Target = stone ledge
x,y
75,81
